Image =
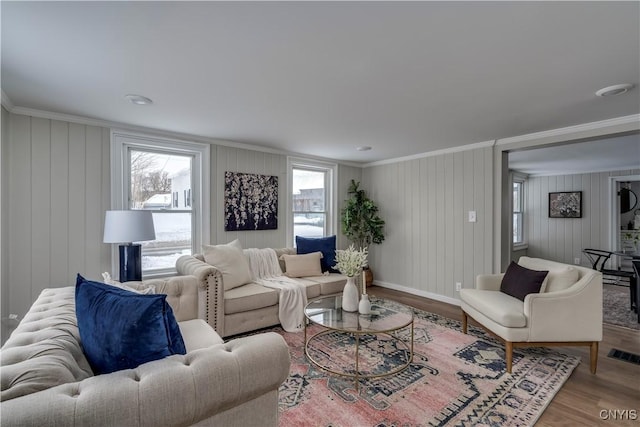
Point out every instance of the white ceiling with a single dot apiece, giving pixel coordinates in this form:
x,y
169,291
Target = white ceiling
x,y
322,78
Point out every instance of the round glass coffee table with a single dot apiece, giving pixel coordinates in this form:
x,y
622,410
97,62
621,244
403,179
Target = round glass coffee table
x,y
344,333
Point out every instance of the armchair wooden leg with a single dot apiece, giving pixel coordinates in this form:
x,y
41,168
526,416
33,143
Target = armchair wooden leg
x,y
464,322
508,349
594,356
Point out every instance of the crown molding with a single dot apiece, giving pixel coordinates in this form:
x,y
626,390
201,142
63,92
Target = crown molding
x,y
633,120
597,170
124,127
6,102
458,149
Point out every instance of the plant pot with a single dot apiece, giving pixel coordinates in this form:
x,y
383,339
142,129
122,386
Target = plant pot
x,y
368,274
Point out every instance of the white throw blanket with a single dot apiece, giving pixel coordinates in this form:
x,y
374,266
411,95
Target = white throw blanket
x,y
293,296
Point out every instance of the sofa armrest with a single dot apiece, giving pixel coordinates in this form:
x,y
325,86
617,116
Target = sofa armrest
x,y
489,282
211,290
179,390
574,312
182,294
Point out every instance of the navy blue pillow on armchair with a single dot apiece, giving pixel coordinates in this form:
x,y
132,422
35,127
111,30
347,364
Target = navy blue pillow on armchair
x,y
326,245
120,329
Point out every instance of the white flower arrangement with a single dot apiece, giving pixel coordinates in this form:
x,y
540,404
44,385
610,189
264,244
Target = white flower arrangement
x,y
350,261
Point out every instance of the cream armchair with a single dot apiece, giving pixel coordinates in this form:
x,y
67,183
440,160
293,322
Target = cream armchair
x,y
567,311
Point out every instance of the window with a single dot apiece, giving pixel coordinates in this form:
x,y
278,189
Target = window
x,y
311,199
518,210
167,178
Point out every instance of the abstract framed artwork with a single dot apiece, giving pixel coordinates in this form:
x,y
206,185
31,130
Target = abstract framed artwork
x,y
565,204
250,201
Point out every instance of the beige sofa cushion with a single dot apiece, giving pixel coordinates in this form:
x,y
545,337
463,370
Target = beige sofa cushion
x,y
230,261
329,284
559,278
249,297
497,306
303,265
312,288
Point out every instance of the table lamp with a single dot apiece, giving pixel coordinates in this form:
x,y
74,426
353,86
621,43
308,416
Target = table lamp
x,y
126,227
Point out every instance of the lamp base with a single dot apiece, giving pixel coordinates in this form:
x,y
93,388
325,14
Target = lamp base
x,y
130,262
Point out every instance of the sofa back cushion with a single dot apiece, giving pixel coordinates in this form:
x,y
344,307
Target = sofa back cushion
x,y
284,251
230,261
561,276
44,351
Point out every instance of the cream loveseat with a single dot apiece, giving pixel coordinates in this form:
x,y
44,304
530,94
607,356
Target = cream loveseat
x,y
46,379
567,311
249,306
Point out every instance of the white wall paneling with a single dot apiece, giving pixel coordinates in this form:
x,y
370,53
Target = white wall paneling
x,y
56,187
58,192
562,239
429,242
5,322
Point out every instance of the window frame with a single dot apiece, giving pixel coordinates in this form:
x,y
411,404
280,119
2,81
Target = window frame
x,y
330,182
518,178
121,143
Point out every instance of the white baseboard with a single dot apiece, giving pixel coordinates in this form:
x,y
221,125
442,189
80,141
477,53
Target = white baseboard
x,y
418,292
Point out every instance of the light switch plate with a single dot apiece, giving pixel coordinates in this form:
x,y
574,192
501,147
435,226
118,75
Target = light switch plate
x,y
472,216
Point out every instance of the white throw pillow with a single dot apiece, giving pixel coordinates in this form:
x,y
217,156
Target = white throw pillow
x,y
146,290
559,278
230,261
303,265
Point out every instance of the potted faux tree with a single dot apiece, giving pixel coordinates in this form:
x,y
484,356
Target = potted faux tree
x,y
360,221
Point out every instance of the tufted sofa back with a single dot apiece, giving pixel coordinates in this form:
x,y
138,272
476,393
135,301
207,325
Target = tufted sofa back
x,y
44,351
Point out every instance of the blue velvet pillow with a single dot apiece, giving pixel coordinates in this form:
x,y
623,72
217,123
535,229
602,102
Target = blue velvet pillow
x,y
120,329
326,245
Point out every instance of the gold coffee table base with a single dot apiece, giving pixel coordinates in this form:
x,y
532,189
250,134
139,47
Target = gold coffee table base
x,y
357,375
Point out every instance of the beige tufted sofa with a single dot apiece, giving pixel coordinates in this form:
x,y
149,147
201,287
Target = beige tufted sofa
x,y
250,306
47,381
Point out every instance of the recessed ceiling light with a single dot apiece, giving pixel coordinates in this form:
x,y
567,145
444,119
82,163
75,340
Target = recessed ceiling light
x,y
615,90
363,148
139,99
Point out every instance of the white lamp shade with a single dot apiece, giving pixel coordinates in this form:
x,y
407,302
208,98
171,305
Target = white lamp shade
x,y
128,226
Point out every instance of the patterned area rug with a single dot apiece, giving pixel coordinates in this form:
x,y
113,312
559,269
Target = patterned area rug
x,y
615,307
454,379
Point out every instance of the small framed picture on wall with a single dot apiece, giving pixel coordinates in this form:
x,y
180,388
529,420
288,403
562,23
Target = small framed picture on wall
x,y
565,204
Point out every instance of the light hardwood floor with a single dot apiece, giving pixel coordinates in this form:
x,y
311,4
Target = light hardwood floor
x,y
616,385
